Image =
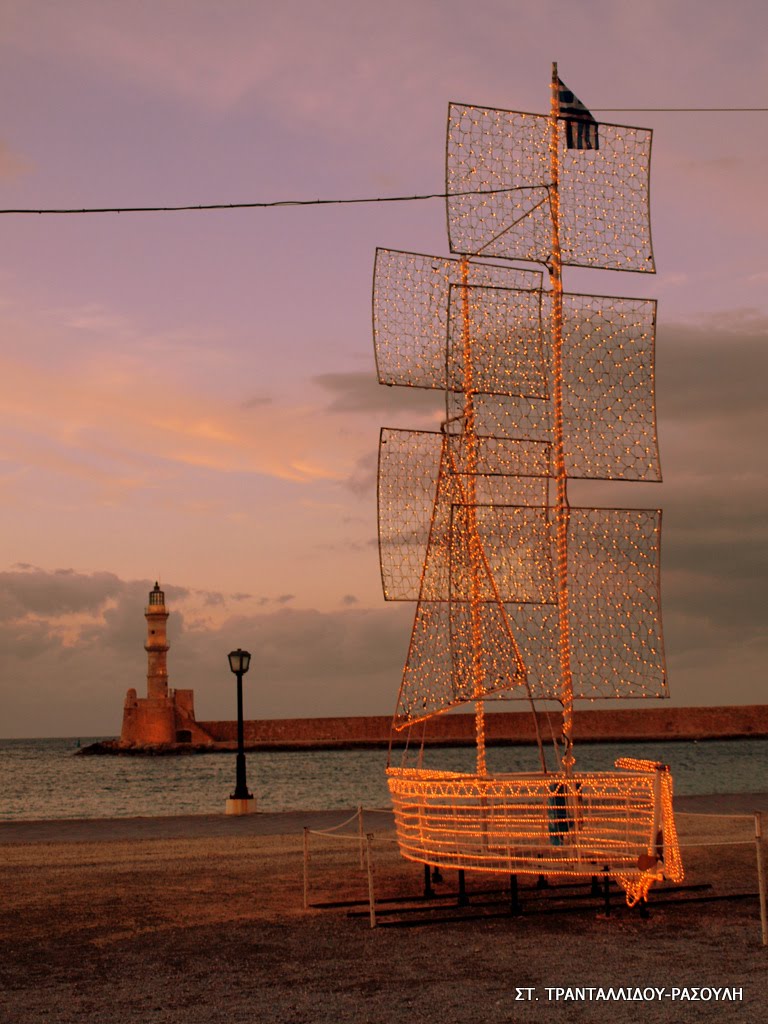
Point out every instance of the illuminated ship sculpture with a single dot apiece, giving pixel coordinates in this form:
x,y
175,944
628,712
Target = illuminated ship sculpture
x,y
520,595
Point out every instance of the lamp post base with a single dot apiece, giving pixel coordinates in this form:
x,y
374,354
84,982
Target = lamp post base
x,y
237,806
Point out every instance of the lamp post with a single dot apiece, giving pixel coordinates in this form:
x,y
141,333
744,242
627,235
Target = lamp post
x,y
237,803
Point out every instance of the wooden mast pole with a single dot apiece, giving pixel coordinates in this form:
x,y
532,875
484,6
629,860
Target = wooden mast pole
x,y
473,539
562,509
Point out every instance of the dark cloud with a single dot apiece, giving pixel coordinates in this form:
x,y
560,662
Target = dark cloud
x,y
713,421
56,680
361,392
257,402
349,600
347,545
362,480
714,370
311,663
305,662
30,590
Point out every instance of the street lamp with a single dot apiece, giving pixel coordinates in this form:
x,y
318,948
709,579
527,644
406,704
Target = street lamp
x,y
239,662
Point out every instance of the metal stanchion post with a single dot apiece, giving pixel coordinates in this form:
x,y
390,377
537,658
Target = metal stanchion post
x,y
761,875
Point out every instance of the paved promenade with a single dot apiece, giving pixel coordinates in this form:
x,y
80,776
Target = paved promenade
x,y
183,826
201,920
213,826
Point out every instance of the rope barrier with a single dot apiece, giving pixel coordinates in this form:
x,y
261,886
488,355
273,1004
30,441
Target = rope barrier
x,y
335,828
716,842
705,814
366,841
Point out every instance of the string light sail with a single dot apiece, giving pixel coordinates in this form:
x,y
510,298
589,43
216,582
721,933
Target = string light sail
x,y
518,594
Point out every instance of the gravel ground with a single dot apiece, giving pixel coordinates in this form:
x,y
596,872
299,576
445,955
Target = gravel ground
x,y
205,928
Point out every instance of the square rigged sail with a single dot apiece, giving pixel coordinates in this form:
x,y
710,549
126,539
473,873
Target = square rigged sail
x,y
499,184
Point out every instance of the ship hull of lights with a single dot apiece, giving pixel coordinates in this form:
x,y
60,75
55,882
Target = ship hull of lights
x,y
617,823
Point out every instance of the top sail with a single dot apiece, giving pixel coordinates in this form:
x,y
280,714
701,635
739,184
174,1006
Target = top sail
x,y
604,193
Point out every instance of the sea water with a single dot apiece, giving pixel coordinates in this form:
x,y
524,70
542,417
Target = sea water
x,y
44,779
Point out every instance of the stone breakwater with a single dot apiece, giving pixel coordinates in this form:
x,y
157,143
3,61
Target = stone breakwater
x,y
502,727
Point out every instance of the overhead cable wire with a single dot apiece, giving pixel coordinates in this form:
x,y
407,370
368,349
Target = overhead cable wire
x,y
274,203
679,110
375,199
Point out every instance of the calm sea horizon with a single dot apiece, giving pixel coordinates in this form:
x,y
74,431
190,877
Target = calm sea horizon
x,y
43,779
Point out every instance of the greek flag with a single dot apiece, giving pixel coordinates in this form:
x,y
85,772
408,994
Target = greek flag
x,y
580,126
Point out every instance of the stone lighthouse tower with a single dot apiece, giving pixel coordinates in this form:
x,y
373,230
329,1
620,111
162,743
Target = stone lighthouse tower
x,y
165,717
157,644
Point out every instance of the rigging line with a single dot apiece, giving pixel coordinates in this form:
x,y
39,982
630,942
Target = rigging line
x,y
497,236
679,110
454,468
275,203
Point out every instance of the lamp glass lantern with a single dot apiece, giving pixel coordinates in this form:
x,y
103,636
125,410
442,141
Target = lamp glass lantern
x,y
239,661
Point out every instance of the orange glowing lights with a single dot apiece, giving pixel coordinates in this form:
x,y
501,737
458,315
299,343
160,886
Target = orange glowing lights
x,y
520,595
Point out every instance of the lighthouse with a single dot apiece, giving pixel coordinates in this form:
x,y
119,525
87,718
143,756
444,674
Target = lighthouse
x,y
156,646
166,716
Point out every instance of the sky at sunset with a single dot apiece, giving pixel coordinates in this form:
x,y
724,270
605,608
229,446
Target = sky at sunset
x,y
191,397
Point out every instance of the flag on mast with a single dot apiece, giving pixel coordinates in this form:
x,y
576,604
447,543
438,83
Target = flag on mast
x,y
580,125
